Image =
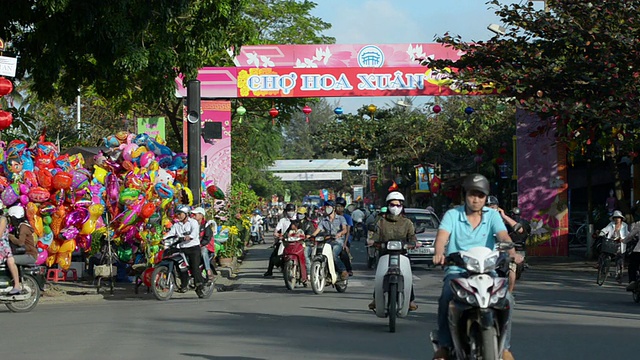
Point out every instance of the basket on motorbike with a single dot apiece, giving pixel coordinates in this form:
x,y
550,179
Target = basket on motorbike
x,y
609,246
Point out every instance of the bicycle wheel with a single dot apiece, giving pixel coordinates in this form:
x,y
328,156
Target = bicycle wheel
x,y
581,235
603,269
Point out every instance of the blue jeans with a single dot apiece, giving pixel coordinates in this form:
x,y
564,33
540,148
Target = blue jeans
x,y
308,252
336,246
206,258
444,334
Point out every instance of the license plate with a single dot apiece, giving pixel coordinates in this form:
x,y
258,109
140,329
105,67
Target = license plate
x,y
421,251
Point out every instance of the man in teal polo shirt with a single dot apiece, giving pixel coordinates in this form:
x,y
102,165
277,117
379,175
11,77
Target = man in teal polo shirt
x,y
462,228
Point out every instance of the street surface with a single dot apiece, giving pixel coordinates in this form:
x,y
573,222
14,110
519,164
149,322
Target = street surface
x,y
559,315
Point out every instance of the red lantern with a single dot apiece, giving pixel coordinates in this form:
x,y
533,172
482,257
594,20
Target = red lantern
x,y
479,151
6,118
502,151
499,161
6,86
274,113
307,110
436,109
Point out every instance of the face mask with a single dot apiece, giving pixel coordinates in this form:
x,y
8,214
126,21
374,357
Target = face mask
x,y
300,216
328,210
395,210
291,214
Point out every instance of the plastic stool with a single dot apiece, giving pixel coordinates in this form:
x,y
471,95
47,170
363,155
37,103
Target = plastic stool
x,y
56,275
74,274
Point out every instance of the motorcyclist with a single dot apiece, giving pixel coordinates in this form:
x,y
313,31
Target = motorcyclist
x,y
634,256
516,232
334,225
256,224
190,229
22,235
6,255
282,228
208,229
345,255
462,228
395,226
358,217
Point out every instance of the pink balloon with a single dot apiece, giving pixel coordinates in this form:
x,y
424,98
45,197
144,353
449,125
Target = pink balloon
x,y
24,200
147,158
42,257
69,233
77,217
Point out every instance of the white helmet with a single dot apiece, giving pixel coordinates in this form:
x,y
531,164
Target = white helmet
x,y
16,211
395,195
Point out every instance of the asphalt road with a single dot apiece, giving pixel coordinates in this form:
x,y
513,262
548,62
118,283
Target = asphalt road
x,y
558,316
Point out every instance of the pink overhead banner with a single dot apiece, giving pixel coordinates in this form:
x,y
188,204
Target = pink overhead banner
x,y
215,83
341,55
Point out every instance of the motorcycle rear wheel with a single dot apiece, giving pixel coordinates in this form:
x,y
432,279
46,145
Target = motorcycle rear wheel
x,y
29,304
393,306
289,275
163,283
636,295
317,277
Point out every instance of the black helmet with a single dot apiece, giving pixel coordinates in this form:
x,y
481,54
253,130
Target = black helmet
x,y
290,207
515,211
341,201
476,182
330,203
492,200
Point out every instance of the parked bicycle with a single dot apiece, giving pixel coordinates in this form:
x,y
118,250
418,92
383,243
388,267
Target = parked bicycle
x,y
609,254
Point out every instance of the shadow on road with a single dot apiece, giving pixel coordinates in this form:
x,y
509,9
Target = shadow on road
x,y
214,357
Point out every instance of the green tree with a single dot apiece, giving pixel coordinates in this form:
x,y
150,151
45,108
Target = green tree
x,y
576,66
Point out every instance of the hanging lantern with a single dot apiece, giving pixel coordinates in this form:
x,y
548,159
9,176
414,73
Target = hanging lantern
x,y
436,108
479,151
241,111
6,118
307,110
372,108
338,110
502,151
6,86
274,113
499,161
469,110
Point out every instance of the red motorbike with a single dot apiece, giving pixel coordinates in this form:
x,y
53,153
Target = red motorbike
x,y
294,269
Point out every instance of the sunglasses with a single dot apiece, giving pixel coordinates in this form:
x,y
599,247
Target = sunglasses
x,y
395,205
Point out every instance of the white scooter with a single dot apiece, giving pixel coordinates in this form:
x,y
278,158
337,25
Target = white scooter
x,y
480,310
393,282
323,269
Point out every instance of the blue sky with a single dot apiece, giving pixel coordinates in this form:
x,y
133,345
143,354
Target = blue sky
x,y
403,22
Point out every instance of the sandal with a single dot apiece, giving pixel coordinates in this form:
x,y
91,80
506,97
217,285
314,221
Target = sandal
x,y
441,354
413,306
15,291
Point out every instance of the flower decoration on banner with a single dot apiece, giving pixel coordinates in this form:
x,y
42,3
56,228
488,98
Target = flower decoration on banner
x,y
307,110
502,150
338,111
499,161
436,109
469,110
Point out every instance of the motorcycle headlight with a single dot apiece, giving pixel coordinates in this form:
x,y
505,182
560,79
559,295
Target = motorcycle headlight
x,y
394,245
471,263
463,294
490,262
499,290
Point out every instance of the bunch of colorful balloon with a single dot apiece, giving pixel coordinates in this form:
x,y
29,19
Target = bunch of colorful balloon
x,y
143,180
53,190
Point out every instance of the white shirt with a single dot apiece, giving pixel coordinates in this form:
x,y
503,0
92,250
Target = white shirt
x,y
609,232
283,225
188,228
256,220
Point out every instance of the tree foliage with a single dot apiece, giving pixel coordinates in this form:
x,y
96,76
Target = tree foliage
x,y
576,66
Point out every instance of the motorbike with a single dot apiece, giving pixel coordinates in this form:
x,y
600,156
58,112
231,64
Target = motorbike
x,y
171,269
373,252
32,279
520,240
256,234
480,310
393,284
323,270
294,269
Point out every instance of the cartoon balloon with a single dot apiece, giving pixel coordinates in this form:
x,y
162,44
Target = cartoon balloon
x,y
39,194
99,174
64,260
35,219
42,257
62,180
77,217
68,246
10,195
95,211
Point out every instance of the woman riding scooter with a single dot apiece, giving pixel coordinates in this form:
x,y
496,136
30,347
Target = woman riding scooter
x,y
394,226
